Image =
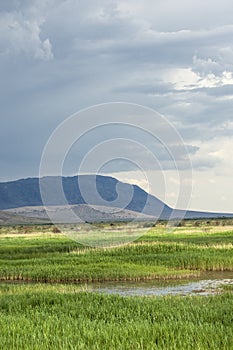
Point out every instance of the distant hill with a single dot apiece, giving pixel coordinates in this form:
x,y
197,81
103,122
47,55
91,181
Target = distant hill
x,y
26,193
13,219
83,212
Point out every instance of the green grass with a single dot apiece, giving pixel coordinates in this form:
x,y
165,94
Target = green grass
x,y
69,316
44,256
190,235
61,317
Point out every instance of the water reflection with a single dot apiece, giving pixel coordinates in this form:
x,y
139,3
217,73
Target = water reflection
x,y
210,283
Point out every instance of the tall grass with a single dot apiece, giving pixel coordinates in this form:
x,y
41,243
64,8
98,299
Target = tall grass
x,y
38,317
159,254
67,316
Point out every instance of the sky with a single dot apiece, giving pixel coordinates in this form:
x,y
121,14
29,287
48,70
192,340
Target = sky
x,y
58,57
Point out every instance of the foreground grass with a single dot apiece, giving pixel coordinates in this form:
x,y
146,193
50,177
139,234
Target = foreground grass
x,y
61,317
40,256
68,316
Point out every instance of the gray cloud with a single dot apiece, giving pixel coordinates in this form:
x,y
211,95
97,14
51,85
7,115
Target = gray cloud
x,y
59,56
21,24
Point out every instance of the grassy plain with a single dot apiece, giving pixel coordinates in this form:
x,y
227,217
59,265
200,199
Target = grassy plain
x,y
65,315
37,254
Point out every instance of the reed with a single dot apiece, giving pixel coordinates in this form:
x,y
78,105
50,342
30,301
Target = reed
x,y
47,257
63,317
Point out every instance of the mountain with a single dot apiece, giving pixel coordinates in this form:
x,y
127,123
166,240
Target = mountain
x,y
13,219
99,191
26,192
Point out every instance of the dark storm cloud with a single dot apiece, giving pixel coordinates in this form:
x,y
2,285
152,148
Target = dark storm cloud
x,y
59,56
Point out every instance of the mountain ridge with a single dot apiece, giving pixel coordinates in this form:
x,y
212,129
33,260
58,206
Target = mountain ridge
x,y
98,190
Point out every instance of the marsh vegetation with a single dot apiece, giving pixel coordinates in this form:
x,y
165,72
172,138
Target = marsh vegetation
x,y
46,301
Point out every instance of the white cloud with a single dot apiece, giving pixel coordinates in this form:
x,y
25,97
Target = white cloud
x,y
20,34
205,66
215,152
187,79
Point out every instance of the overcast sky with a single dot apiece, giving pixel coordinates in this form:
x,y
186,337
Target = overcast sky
x,y
59,56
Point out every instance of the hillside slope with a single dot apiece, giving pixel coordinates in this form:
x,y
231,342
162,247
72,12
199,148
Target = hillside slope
x,y
100,191
14,219
26,192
